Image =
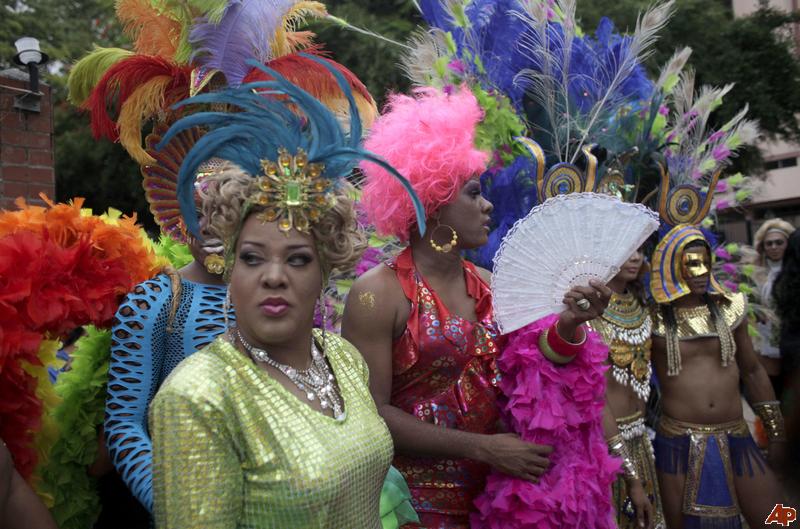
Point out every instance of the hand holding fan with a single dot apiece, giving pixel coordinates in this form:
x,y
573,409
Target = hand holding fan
x,y
563,243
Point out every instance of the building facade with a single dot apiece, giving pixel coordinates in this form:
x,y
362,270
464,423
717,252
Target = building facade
x,y
779,194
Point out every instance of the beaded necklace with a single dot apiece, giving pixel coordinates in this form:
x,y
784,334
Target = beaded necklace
x,y
626,327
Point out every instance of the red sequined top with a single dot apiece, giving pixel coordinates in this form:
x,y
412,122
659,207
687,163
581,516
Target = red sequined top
x,y
444,373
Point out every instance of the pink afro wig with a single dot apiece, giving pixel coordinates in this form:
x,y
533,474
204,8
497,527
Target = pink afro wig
x,y
430,139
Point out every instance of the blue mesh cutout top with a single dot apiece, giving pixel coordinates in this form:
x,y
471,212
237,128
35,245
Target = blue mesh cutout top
x,y
143,354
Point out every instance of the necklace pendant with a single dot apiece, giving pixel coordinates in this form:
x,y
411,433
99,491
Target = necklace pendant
x,y
338,412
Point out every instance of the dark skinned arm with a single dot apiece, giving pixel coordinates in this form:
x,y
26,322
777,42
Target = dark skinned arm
x,y
755,379
757,387
641,503
20,507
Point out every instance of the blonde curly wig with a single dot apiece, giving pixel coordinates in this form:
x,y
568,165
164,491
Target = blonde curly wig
x,y
224,197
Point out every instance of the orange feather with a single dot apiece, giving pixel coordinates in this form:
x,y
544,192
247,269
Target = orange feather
x,y
153,33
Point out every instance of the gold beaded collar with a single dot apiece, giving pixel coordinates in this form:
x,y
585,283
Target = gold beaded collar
x,y
625,327
697,322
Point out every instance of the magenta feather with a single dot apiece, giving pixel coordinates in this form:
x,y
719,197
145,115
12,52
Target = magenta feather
x,y
245,31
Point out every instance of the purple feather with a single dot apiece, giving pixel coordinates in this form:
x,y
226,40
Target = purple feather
x,y
245,31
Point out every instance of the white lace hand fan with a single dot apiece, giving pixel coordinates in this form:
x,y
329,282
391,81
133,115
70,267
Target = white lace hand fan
x,y
563,243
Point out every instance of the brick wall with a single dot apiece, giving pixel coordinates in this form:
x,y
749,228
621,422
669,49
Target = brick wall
x,y
26,143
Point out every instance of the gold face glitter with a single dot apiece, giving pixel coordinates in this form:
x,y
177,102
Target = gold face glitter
x,y
695,264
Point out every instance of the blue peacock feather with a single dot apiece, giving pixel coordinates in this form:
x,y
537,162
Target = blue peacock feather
x,y
273,115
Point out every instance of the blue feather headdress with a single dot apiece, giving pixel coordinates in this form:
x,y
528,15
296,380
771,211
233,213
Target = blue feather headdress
x,y
567,88
281,135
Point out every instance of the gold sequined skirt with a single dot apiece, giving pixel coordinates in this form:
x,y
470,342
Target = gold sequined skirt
x,y
641,450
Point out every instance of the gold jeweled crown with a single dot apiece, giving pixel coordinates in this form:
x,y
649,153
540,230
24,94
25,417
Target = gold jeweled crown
x,y
293,191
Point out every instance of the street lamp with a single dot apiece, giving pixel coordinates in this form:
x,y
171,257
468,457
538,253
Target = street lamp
x,y
29,55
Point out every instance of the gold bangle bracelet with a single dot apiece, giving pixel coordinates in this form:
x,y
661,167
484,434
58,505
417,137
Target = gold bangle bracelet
x,y
618,448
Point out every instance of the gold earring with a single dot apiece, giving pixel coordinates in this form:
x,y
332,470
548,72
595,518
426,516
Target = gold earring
x,y
214,264
447,247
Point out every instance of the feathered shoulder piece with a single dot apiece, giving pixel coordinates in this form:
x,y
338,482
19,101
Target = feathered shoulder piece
x,y
286,139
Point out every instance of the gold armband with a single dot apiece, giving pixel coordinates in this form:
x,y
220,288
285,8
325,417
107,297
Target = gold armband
x,y
618,448
770,414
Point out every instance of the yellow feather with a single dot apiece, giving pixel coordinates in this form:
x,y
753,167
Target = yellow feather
x,y
297,41
47,434
143,104
283,43
367,109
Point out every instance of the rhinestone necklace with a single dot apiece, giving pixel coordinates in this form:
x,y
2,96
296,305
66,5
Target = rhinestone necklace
x,y
317,382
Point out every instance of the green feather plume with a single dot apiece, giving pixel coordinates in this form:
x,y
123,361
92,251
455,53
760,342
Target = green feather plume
x,y
88,71
176,253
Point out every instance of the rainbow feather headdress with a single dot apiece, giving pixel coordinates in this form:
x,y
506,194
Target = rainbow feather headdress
x,y
693,159
185,48
291,144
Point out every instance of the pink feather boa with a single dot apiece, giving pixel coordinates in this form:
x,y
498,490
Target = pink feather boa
x,y
561,406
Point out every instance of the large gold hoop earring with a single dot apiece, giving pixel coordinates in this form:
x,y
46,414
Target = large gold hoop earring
x,y
447,247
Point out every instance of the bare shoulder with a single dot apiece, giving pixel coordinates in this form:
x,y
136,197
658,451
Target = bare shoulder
x,y
380,280
376,295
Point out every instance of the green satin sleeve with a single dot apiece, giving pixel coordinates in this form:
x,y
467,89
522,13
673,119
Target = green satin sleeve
x,y
396,509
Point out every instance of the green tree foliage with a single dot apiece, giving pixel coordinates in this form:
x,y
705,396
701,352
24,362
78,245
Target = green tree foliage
x,y
374,61
65,28
754,52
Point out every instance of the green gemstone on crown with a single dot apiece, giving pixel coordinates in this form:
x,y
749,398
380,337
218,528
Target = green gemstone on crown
x,y
293,193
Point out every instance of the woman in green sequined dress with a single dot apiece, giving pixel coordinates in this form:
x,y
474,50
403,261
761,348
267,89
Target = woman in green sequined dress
x,y
272,425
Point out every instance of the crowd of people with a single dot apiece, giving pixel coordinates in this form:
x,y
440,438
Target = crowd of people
x,y
232,402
